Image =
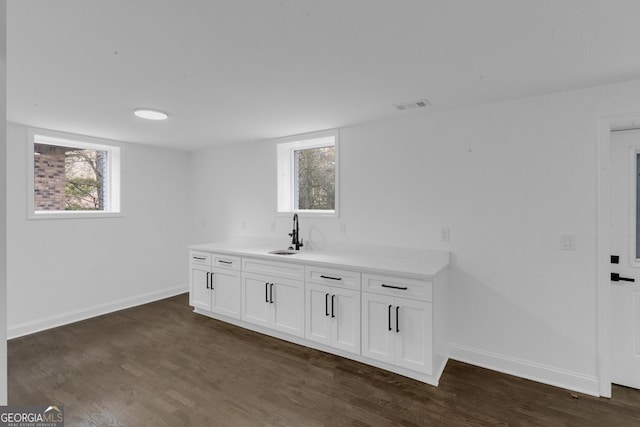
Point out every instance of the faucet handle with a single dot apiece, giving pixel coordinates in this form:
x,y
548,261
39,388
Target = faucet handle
x,y
301,245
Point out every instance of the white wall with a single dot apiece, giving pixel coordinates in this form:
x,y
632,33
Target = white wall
x,y
3,204
508,179
62,270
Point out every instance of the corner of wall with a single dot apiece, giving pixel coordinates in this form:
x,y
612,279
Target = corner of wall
x,y
3,204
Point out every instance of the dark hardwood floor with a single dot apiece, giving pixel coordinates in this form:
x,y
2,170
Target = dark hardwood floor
x,y
162,365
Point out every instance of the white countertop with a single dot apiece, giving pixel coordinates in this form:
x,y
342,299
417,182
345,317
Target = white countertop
x,y
419,262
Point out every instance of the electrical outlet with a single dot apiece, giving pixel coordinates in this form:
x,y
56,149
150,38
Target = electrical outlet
x,y
445,235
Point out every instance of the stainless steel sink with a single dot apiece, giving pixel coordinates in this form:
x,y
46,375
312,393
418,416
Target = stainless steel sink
x,y
284,252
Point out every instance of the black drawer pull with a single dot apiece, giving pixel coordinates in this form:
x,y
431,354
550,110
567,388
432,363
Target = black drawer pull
x,y
402,288
331,278
200,258
389,317
397,324
271,294
208,274
225,262
266,292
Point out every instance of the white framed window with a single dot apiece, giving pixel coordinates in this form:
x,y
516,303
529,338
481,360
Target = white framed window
x,y
308,174
71,176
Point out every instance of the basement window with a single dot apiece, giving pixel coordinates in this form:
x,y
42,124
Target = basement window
x,y
72,177
308,174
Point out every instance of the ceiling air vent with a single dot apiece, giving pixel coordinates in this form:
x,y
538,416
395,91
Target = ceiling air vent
x,y
420,103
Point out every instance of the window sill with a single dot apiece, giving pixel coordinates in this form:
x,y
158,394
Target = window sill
x,y
73,215
309,214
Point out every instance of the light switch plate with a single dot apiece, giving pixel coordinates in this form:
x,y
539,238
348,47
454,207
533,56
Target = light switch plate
x,y
568,242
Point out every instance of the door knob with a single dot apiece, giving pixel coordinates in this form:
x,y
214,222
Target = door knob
x,y
615,277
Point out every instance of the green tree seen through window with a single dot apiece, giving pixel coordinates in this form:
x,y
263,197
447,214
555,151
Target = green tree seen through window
x,y
315,171
84,184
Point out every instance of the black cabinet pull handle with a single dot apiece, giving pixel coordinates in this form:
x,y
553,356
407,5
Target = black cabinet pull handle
x,y
271,294
389,317
208,279
266,292
397,324
402,288
326,305
221,261
199,258
211,278
332,312
331,278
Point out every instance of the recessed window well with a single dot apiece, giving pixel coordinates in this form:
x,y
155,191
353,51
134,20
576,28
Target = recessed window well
x,y
150,114
308,174
72,176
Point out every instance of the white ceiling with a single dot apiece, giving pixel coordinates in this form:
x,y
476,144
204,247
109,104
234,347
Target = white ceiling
x,y
237,70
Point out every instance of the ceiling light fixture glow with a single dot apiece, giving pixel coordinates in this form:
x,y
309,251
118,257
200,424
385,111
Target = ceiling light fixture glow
x,y
150,114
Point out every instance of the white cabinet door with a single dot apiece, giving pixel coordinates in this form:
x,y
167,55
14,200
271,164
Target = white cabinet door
x,y
255,300
378,337
333,316
273,302
318,316
288,305
226,292
200,292
413,328
344,305
397,330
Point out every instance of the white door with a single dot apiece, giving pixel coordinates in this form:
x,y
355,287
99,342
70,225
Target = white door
x,y
255,299
625,294
378,338
288,302
344,306
200,292
413,328
318,321
226,292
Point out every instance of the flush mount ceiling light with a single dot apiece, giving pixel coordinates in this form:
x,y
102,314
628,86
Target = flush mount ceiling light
x,y
150,114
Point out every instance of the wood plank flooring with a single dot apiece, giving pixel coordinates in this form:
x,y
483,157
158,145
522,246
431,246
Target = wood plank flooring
x,y
162,365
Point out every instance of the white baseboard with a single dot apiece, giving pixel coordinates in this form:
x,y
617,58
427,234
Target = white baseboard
x,y
37,325
525,369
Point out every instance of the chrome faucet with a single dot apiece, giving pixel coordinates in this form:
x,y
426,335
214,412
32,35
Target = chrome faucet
x,y
295,234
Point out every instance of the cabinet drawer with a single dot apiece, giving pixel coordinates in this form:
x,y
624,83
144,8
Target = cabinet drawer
x,y
397,286
201,258
226,261
271,268
328,276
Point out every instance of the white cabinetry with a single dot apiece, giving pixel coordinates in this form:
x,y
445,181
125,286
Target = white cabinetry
x,y
382,311
397,329
199,271
215,283
271,297
332,307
